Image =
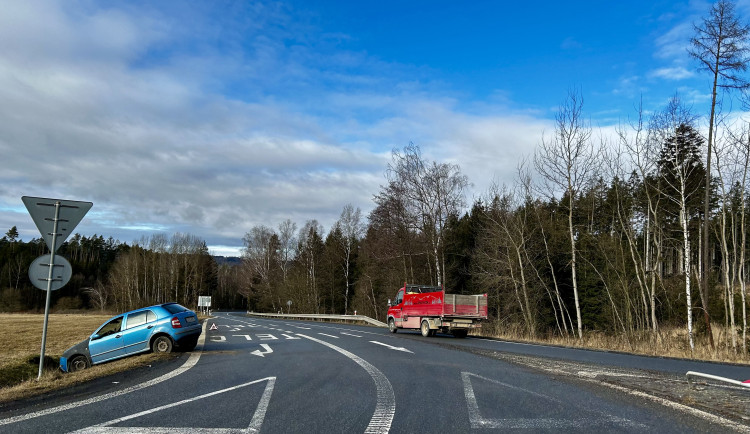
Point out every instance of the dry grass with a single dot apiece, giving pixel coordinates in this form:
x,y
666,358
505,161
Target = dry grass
x,y
669,342
21,336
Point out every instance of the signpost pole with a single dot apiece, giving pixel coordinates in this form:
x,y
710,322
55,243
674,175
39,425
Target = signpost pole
x,y
49,286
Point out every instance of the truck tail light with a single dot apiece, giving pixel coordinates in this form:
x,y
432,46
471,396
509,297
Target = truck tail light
x,y
176,323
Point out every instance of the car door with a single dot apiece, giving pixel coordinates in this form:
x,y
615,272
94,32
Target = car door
x,y
137,333
398,309
106,343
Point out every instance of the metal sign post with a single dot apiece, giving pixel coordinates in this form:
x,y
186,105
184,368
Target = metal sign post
x,y
49,287
66,215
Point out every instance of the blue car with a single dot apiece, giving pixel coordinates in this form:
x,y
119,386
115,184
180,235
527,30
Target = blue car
x,y
157,328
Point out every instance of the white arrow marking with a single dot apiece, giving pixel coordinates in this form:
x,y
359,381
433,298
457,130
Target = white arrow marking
x,y
263,353
392,347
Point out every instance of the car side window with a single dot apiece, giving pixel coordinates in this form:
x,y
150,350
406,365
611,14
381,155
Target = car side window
x,y
400,297
151,317
111,327
136,319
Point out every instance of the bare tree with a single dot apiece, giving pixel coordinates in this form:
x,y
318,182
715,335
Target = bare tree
x,y
309,253
287,243
680,175
732,164
568,161
644,155
352,228
720,46
258,257
433,193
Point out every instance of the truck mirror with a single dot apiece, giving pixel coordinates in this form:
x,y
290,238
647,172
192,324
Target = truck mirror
x,y
389,302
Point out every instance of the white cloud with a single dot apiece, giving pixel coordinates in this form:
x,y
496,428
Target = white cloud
x,y
674,43
94,107
672,73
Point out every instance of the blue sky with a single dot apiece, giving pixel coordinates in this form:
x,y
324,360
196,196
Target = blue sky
x,y
211,117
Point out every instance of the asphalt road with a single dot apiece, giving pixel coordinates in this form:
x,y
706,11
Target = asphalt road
x,y
278,376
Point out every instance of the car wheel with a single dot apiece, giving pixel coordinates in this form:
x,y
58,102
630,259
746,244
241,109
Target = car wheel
x,y
78,363
392,326
426,332
162,344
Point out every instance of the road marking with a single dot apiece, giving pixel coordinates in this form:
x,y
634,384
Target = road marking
x,y
218,338
349,334
385,406
247,337
392,347
254,427
263,353
351,330
289,337
189,363
330,336
478,421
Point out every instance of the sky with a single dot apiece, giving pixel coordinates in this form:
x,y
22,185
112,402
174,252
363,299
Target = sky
x,y
211,117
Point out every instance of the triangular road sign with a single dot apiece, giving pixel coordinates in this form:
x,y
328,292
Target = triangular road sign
x,y
213,327
42,211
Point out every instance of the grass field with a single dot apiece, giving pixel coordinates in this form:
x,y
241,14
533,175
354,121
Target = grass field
x,y
21,338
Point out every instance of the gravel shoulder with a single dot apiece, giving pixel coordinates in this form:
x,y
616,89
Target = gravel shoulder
x,y
709,399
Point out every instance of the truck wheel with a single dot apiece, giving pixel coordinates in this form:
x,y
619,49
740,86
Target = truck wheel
x,y
460,333
426,329
392,325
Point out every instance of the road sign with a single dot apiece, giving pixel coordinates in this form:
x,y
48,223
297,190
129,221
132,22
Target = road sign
x,y
55,219
204,301
42,211
39,272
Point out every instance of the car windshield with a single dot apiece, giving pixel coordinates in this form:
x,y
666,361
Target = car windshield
x,y
174,308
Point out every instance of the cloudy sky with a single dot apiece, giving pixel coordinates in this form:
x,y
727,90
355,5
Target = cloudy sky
x,y
211,117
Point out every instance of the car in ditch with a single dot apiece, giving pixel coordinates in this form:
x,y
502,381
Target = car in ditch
x,y
158,328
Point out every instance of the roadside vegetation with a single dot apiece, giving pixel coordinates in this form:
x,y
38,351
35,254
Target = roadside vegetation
x,y
628,237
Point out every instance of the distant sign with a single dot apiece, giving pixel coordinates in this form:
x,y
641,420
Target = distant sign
x,y
39,272
204,301
42,211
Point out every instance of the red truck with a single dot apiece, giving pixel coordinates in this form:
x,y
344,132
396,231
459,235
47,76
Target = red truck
x,y
429,309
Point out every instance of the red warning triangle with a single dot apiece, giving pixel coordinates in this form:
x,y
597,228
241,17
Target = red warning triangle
x,y
213,327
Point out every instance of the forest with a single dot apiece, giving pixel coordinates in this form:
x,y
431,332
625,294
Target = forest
x,y
636,231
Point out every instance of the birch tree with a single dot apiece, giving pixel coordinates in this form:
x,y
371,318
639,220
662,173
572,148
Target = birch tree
x,y
568,161
350,224
432,193
680,175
